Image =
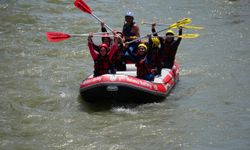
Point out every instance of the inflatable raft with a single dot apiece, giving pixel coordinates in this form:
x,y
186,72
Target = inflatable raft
x,y
125,87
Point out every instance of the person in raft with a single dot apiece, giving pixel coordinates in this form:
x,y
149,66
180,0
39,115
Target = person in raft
x,y
130,32
144,70
153,54
169,48
102,59
118,58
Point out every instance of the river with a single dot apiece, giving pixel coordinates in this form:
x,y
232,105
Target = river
x,y
39,81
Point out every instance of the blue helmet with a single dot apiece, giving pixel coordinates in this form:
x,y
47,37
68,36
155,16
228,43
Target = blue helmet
x,y
129,14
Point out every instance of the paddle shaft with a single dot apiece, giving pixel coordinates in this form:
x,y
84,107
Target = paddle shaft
x,y
101,21
157,24
85,8
178,23
147,35
187,36
84,35
187,27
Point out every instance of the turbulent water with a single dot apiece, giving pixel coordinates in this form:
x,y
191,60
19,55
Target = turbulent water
x,y
39,81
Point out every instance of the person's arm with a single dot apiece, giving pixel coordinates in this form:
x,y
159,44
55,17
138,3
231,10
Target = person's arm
x,y
176,43
150,48
114,48
103,29
153,29
93,53
161,50
136,30
96,47
162,44
180,33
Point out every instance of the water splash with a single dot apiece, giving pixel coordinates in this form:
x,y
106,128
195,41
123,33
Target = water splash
x,y
122,110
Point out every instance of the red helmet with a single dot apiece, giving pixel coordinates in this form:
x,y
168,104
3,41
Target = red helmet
x,y
104,45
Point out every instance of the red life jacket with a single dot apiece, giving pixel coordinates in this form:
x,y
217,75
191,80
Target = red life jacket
x,y
101,65
118,55
142,69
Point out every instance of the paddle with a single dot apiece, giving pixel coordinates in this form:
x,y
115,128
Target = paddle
x,y
193,27
181,22
85,8
188,36
59,36
186,27
157,24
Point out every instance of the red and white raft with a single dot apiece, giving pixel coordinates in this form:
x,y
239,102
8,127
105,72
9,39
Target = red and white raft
x,y
124,86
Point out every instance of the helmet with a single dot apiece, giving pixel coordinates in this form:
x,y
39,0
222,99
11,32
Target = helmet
x,y
144,46
129,14
170,32
155,41
104,45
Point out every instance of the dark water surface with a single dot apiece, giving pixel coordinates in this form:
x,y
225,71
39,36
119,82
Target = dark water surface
x,y
39,81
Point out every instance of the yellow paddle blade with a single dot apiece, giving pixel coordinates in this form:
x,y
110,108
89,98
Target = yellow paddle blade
x,y
188,36
193,27
181,22
184,21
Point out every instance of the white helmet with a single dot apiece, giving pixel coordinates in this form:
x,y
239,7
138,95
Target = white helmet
x,y
129,14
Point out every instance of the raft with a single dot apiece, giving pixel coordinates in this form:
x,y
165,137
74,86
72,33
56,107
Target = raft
x,y
125,87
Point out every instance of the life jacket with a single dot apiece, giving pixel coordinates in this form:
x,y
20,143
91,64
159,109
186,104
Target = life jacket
x,y
169,52
154,57
142,68
102,65
168,56
118,60
118,54
127,29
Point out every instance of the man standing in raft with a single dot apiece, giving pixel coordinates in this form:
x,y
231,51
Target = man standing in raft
x,y
169,48
130,32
